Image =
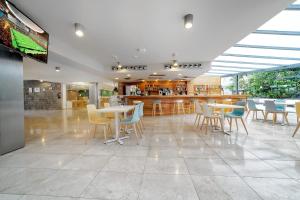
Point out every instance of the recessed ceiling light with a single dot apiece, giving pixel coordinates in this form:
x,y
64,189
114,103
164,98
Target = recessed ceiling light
x,y
156,80
179,74
79,30
57,69
128,75
154,73
41,81
117,78
188,21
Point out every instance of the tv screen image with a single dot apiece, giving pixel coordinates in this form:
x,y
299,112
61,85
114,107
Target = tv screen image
x,y
18,32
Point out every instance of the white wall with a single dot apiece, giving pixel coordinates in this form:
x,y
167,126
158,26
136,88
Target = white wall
x,y
34,70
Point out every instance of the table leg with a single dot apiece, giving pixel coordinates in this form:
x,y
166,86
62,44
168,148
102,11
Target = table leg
x,y
223,121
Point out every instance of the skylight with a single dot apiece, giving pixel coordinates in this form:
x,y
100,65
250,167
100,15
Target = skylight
x,y
275,44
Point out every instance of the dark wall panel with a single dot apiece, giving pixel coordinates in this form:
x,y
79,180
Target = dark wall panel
x,y
11,102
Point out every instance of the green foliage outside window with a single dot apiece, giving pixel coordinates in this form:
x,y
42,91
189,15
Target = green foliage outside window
x,y
272,84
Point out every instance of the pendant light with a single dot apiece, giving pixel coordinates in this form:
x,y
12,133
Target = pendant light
x,y
188,21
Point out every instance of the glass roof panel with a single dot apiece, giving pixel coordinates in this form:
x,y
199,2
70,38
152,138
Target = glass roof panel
x,y
240,65
231,69
264,52
296,2
257,60
222,72
272,40
287,20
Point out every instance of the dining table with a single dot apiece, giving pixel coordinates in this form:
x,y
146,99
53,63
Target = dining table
x,y
222,107
117,110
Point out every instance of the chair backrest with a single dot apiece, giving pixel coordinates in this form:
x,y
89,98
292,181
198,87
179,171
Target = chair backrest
x,y
91,109
239,111
207,111
280,107
156,101
136,114
251,104
297,105
141,109
198,107
270,106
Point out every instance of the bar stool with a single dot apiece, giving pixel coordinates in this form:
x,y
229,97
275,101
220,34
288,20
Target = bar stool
x,y
180,106
156,103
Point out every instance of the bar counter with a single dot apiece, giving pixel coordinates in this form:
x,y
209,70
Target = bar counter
x,y
168,101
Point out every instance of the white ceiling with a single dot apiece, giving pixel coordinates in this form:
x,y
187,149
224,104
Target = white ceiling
x,y
119,27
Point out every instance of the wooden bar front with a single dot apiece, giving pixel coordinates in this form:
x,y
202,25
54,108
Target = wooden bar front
x,y
168,101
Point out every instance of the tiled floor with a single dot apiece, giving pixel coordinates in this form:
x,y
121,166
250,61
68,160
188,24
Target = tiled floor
x,y
174,161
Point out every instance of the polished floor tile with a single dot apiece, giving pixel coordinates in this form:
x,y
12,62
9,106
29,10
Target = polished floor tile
x,y
275,189
174,160
114,185
165,166
223,188
167,187
209,167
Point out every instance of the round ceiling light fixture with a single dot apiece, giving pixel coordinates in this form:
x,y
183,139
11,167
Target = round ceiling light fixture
x,y
188,21
57,69
79,30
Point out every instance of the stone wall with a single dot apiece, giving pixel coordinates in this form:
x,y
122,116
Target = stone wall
x,y
42,95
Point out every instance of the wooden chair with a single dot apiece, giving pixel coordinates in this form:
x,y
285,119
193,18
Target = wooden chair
x,y
95,120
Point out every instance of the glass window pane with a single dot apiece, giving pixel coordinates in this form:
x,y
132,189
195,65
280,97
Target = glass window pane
x,y
287,20
256,60
264,52
251,66
271,40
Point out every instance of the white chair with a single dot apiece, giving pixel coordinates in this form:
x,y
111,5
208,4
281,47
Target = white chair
x,y
252,107
199,113
95,120
180,106
210,118
270,107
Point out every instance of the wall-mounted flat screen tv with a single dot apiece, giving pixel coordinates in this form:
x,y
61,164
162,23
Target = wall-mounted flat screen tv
x,y
21,34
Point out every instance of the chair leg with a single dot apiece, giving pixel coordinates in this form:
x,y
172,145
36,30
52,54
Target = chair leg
x,y
286,118
230,124
244,125
298,126
256,115
196,119
247,114
274,118
140,128
266,116
222,128
202,123
263,113
236,123
206,127
136,133
105,132
199,119
95,130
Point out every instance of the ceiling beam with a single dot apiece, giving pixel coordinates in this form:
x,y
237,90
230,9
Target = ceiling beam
x,y
273,32
251,63
256,56
266,47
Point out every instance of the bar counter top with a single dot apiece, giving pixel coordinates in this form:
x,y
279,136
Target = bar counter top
x,y
167,102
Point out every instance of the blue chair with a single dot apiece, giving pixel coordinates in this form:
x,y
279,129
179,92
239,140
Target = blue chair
x,y
270,107
252,107
141,114
237,113
281,107
133,121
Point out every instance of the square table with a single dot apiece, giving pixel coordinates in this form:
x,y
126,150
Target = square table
x,y
117,110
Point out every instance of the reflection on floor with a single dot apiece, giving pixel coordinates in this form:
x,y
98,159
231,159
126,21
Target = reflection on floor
x,y
174,161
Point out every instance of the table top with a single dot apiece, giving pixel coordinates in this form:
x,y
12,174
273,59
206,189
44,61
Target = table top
x,y
219,105
114,109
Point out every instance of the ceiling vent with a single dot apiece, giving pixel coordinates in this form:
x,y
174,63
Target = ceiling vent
x,y
130,68
184,66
